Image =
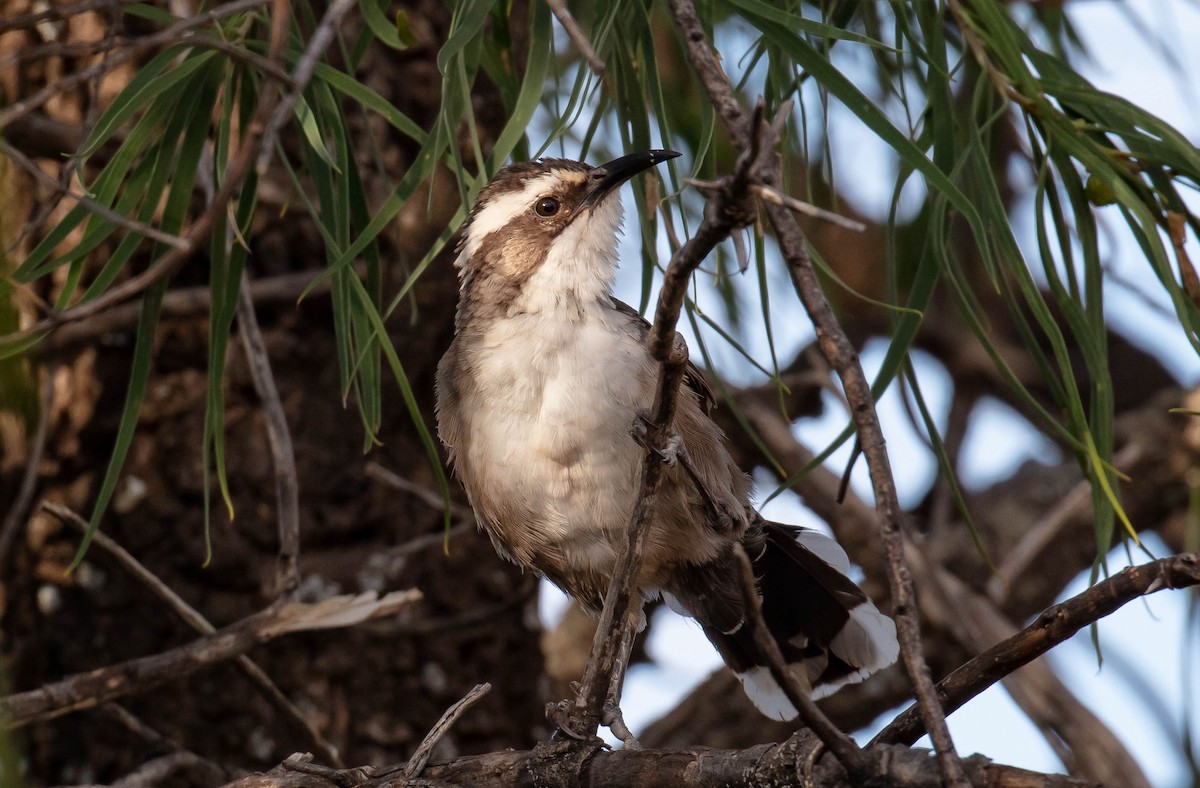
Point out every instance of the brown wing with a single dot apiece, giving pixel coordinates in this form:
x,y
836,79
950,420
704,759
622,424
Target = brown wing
x,y
692,376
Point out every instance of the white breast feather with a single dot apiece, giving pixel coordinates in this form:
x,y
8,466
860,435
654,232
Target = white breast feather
x,y
570,377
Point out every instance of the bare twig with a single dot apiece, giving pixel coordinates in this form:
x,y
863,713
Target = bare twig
x,y
427,496
563,15
198,622
20,505
727,210
176,768
838,743
86,690
117,713
103,211
773,195
321,38
176,33
1051,628
840,352
279,438
416,764
181,303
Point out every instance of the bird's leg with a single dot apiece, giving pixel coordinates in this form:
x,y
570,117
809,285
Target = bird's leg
x,y
611,715
675,453
670,448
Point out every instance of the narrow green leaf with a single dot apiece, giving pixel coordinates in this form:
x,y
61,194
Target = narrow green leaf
x,y
139,374
387,32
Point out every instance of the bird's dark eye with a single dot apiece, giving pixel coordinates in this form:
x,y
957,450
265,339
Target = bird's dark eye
x,y
546,207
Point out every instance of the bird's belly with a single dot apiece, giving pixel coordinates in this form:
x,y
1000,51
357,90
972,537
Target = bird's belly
x,y
556,446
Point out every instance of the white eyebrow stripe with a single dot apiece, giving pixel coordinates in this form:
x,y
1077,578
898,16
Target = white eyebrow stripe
x,y
502,210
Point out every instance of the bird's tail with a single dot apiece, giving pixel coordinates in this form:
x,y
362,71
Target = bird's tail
x,y
825,625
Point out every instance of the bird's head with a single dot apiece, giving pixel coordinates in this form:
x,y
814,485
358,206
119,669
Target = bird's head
x,y
549,225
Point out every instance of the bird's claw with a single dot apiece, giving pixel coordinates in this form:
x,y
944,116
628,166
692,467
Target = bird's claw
x,y
669,452
559,715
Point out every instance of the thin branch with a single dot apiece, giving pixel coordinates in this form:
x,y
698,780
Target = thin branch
x,y
772,195
198,622
176,33
842,746
117,713
563,15
103,211
416,764
838,349
795,762
183,302
86,690
840,352
320,40
427,496
726,210
20,505
1052,627
177,768
279,438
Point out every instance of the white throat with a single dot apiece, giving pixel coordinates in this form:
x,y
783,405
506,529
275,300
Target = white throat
x,y
580,266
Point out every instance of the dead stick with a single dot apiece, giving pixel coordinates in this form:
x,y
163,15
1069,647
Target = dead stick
x,y
279,438
86,690
720,218
198,622
1052,627
838,349
20,504
841,745
416,764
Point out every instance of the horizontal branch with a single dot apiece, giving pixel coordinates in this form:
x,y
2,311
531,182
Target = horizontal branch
x,y
796,762
85,690
183,302
1052,627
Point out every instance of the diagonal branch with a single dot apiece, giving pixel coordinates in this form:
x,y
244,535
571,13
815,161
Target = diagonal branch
x,y
563,15
279,438
86,690
257,676
725,211
842,746
840,352
1052,627
841,355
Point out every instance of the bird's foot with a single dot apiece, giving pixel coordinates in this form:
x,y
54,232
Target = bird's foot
x,y
670,450
559,716
615,722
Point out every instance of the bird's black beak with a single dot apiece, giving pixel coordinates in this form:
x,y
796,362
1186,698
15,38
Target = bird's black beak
x,y
607,177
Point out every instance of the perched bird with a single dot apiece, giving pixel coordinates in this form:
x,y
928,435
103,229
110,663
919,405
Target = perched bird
x,y
536,401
